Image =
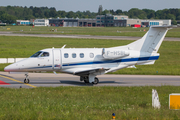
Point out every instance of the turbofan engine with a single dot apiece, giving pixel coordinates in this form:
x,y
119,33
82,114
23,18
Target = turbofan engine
x,y
111,53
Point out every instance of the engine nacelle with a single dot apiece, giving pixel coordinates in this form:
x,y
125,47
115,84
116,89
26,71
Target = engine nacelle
x,y
111,53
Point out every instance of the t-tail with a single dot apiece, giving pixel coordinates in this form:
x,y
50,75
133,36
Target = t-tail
x,y
151,41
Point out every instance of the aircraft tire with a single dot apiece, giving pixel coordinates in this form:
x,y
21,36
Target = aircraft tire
x,y
26,81
81,78
86,81
96,81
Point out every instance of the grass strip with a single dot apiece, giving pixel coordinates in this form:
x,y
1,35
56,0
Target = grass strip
x,y
104,31
86,103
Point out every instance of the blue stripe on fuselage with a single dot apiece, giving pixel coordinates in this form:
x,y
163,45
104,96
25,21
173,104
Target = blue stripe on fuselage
x,y
114,61
39,67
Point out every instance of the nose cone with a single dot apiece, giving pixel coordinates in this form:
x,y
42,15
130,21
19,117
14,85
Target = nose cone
x,y
11,68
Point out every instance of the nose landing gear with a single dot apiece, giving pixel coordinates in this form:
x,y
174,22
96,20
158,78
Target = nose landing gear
x,y
26,80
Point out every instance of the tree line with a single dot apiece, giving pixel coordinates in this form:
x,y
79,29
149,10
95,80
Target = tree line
x,y
10,14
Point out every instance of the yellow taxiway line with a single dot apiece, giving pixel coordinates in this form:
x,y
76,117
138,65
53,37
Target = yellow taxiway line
x,y
17,81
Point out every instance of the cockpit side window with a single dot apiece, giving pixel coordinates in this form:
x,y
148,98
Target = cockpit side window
x,y
45,54
40,54
37,54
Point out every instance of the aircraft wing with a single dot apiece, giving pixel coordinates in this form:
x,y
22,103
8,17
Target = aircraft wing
x,y
85,71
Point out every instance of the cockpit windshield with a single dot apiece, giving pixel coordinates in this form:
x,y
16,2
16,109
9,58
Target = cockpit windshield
x,y
40,54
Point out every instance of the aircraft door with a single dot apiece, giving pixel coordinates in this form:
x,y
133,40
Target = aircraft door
x,y
57,62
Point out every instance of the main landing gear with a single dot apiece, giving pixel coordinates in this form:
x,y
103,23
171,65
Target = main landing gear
x,y
26,80
86,80
96,80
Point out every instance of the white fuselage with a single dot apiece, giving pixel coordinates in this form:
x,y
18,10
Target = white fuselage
x,y
71,60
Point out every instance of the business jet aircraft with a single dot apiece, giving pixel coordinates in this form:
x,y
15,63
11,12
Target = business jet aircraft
x,y
90,62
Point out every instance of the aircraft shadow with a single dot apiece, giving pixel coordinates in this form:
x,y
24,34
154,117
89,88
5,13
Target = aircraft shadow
x,y
77,83
70,82
89,84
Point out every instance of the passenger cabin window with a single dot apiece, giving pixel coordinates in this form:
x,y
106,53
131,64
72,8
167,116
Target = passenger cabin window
x,y
45,54
74,55
91,55
66,55
81,55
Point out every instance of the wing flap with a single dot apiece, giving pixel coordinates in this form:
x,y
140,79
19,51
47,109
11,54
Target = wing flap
x,y
85,71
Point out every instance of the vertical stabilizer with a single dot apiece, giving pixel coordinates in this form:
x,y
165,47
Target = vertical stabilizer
x,y
151,41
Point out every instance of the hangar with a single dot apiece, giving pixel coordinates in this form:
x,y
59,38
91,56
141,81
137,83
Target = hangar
x,y
126,22
87,23
99,21
70,22
64,22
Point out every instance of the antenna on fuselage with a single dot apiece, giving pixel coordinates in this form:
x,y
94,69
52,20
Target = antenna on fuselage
x,y
63,47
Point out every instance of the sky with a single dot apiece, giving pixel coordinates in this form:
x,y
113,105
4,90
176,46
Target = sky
x,y
92,5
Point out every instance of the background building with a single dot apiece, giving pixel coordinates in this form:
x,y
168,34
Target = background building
x,y
148,23
64,22
23,22
107,20
87,23
127,22
120,17
110,20
40,22
132,22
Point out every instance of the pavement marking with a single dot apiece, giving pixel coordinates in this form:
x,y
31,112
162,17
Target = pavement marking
x,y
3,83
18,81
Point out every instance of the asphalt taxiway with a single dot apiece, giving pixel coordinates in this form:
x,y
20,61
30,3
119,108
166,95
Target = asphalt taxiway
x,y
82,36
52,80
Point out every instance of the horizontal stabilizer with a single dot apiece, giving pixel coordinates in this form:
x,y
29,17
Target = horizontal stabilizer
x,y
116,68
148,63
